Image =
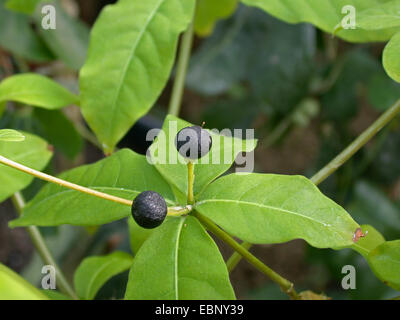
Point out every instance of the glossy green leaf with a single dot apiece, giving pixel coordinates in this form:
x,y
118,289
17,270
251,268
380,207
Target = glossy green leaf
x,y
173,167
36,90
391,60
69,41
179,261
131,54
267,208
17,36
326,15
32,152
11,135
385,262
58,130
94,272
383,16
124,174
14,287
372,239
208,12
137,235
23,6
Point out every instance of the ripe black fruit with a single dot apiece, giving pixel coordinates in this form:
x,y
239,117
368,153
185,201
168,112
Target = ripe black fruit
x,y
149,209
193,142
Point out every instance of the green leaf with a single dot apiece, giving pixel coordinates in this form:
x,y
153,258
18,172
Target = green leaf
x,y
179,261
385,262
172,165
391,60
137,235
268,208
56,128
22,6
55,295
384,16
36,90
208,12
17,36
368,201
69,41
14,287
124,174
11,135
131,53
326,15
94,272
32,152
368,243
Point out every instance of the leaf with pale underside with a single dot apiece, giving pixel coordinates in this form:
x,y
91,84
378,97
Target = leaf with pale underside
x,y
326,15
391,60
33,152
11,135
36,90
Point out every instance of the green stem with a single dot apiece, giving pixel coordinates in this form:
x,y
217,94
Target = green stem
x,y
285,284
357,144
236,257
190,197
181,71
43,250
337,162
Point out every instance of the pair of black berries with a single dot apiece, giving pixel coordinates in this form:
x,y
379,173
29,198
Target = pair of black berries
x,y
149,208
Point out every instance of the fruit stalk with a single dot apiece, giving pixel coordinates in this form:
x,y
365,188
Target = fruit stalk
x,y
285,284
190,166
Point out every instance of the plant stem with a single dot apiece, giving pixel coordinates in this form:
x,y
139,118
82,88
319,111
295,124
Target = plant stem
x,y
236,257
285,284
190,196
179,211
173,211
337,162
357,144
43,250
63,183
181,71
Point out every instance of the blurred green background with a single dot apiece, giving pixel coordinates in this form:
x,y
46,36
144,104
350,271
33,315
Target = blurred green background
x,y
306,94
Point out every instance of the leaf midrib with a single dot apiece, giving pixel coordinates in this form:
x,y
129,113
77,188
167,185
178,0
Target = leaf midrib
x,y
176,277
93,188
128,61
263,206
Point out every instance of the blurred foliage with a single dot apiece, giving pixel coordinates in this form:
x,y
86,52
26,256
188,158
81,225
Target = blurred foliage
x,y
248,70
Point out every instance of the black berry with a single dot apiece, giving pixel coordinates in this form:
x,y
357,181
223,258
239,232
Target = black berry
x,y
193,142
149,209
